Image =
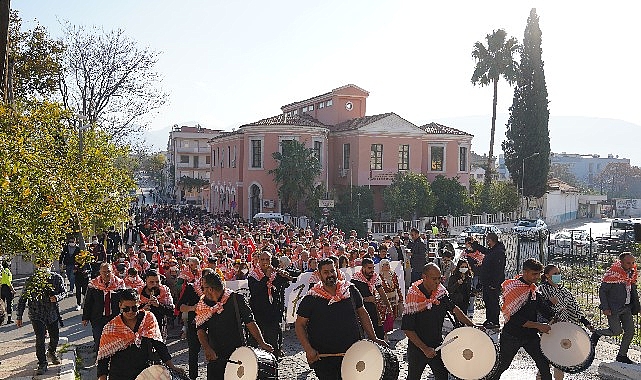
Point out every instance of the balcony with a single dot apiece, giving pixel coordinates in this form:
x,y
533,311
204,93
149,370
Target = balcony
x,y
193,150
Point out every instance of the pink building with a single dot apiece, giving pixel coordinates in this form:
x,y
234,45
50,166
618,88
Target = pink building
x,y
354,149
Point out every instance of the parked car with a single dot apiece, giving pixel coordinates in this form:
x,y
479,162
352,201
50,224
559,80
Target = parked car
x,y
616,242
568,238
477,230
531,229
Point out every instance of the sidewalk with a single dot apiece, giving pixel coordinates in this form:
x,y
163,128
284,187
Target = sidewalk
x,y
19,360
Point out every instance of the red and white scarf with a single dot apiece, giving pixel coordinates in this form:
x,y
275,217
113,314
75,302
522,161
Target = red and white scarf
x,y
164,298
114,284
258,274
416,301
136,283
342,292
204,311
186,275
116,336
477,256
516,293
617,275
372,282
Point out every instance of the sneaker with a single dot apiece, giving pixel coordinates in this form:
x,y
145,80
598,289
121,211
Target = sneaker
x,y
41,370
594,339
78,308
624,359
53,358
9,321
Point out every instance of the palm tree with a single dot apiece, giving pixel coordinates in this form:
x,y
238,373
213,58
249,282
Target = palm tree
x,y
494,61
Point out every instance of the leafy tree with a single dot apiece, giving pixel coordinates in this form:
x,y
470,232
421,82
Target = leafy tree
x,y
504,197
296,173
527,128
35,61
48,187
354,206
451,196
110,80
562,172
409,196
153,164
494,61
616,179
189,183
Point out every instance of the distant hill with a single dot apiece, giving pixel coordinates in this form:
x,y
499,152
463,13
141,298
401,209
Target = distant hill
x,y
570,134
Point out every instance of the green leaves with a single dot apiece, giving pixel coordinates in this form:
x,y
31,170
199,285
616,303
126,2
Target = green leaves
x,y
409,196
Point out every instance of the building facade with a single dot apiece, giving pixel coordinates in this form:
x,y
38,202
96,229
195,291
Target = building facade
x,y
354,150
585,167
189,157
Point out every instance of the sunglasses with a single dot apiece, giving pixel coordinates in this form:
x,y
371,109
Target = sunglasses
x,y
128,309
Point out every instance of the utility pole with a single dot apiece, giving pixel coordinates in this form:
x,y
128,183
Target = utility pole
x,y
5,9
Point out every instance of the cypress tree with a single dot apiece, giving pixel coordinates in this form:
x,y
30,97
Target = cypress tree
x,y
527,128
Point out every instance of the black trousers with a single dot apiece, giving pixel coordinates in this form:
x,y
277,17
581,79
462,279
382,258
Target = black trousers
x,y
7,297
510,346
271,332
417,361
328,368
81,289
97,325
491,300
216,368
39,329
194,349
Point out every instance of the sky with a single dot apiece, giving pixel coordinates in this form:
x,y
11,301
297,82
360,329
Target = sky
x,y
227,63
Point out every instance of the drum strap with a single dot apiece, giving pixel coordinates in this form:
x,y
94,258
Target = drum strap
x,y
241,331
361,334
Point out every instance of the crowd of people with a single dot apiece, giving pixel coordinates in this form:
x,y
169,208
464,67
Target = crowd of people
x,y
171,266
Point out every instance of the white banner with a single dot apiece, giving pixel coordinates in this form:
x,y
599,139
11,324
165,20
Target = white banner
x,y
297,290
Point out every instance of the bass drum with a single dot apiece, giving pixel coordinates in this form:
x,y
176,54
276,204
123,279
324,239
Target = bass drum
x,y
159,372
367,360
567,347
251,363
470,354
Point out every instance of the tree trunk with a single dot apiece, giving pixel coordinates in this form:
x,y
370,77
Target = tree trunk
x,y
490,163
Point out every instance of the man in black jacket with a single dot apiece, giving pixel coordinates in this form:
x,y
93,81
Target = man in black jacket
x,y
492,276
67,261
418,254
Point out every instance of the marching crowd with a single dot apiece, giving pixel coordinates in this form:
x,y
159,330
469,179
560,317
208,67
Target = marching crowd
x,y
171,270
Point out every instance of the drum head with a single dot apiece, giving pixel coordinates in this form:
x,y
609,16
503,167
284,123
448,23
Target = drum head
x,y
566,345
470,356
248,369
362,361
154,372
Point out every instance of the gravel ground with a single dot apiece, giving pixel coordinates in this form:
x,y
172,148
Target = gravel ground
x,y
294,365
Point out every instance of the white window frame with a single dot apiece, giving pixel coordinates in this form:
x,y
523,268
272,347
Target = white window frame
x,y
382,156
285,138
467,158
329,103
399,157
429,158
251,152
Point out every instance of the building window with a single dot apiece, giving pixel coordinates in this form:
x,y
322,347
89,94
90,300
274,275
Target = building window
x,y
376,157
462,158
295,112
207,160
196,162
321,105
213,157
228,156
318,147
233,162
184,143
184,159
257,154
403,157
311,107
304,109
328,103
437,155
345,156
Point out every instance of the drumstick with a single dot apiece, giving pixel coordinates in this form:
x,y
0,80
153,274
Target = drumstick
x,y
330,355
452,339
234,362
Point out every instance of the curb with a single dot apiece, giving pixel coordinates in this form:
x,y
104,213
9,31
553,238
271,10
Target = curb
x,y
67,369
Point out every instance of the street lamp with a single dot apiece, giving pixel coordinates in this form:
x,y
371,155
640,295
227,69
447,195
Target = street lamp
x,y
523,177
358,206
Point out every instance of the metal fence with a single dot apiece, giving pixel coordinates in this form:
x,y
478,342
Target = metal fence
x,y
582,267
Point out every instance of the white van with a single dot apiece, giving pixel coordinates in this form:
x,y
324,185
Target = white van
x,y
277,216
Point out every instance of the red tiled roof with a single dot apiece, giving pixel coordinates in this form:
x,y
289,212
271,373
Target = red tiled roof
x,y
350,125
303,120
320,97
438,129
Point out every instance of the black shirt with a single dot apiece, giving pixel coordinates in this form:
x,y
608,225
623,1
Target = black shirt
x,y
363,288
128,363
223,329
264,311
528,312
189,298
428,324
331,328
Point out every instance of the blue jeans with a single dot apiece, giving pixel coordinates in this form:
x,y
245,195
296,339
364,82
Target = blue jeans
x,y
39,329
71,277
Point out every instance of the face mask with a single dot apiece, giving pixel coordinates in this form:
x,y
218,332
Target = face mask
x,y
72,244
244,270
556,278
463,269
